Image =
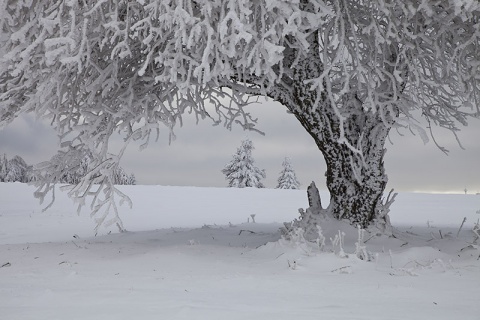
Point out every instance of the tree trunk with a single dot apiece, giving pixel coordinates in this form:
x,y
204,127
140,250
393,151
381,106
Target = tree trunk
x,y
356,184
356,180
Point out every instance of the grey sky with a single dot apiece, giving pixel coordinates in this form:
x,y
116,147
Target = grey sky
x,y
200,151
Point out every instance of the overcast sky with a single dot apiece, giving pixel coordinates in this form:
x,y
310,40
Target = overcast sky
x,y
199,153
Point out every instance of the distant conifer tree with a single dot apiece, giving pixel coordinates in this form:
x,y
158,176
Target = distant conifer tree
x,y
288,178
241,171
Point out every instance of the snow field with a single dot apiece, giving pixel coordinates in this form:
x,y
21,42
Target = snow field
x,y
181,259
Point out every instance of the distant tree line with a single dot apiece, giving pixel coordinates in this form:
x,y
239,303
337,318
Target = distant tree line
x,y
17,170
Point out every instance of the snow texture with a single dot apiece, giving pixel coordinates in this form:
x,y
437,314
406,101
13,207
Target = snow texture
x,y
183,260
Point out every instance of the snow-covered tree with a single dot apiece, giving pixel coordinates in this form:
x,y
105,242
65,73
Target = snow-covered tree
x,y
16,170
3,167
30,174
287,178
131,179
122,178
241,172
349,70
74,176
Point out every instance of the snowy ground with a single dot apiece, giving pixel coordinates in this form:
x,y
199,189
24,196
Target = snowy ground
x,y
190,254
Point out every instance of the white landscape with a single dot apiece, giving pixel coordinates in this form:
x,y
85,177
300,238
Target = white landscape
x,y
194,253
351,72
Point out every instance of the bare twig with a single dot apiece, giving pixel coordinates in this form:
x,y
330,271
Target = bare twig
x,y
340,269
246,231
461,226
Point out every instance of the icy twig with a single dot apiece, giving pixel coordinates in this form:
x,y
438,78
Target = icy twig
x,y
339,241
360,248
476,231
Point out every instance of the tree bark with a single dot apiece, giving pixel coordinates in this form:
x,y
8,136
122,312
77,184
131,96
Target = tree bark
x,y
356,184
356,180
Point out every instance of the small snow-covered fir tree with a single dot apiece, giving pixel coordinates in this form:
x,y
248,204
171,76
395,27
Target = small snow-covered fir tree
x,y
288,178
241,171
16,170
